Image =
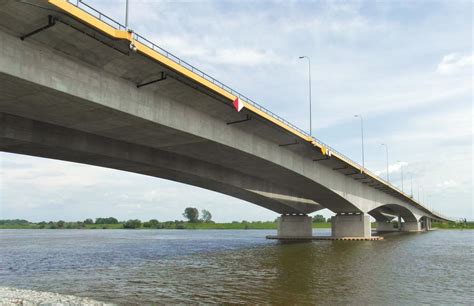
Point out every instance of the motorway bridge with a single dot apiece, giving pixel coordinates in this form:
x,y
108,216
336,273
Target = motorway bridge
x,y
78,86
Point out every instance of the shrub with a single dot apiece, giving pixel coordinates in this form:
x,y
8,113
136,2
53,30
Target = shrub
x,y
131,224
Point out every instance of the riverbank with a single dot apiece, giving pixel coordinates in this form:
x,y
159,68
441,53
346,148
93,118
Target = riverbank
x,y
165,225
14,296
256,225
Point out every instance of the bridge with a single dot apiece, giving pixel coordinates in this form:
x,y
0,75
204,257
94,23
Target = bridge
x,y
76,85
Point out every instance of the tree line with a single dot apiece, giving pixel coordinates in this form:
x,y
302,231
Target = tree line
x,y
190,213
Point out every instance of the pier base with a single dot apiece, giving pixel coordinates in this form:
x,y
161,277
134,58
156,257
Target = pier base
x,y
351,225
299,227
413,226
385,227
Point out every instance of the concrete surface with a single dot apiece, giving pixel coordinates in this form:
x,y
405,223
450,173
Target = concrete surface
x,y
354,225
294,226
385,227
411,227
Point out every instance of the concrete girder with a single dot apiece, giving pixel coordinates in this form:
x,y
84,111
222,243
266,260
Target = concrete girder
x,y
25,136
109,109
380,213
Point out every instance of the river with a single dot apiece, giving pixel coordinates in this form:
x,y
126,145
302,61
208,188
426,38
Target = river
x,y
239,266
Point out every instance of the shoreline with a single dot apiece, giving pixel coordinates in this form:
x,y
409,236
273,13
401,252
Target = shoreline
x,y
17,296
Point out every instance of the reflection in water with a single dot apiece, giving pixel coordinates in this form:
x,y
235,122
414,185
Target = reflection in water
x,y
239,267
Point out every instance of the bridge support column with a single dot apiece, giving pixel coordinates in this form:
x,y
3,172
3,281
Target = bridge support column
x,y
351,225
412,226
291,226
425,224
385,226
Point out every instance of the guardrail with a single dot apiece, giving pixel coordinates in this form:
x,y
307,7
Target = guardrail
x,y
117,25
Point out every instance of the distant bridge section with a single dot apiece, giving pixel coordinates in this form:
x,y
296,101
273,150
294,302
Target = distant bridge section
x,y
77,86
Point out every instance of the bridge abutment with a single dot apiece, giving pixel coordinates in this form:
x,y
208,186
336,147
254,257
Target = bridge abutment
x,y
294,226
351,225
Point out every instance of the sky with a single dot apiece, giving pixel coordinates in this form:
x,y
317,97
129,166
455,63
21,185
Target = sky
x,y
405,66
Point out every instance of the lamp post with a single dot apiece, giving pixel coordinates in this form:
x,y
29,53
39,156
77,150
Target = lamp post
x,y
309,86
401,172
386,150
126,14
362,136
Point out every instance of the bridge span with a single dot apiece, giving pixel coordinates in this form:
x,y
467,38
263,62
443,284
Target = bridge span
x,y
77,86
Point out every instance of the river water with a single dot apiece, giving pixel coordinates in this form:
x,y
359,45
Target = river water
x,y
239,266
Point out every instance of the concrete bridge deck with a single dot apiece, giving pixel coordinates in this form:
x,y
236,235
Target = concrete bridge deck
x,y
82,88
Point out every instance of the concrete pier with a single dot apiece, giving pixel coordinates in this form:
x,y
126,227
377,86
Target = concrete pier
x,y
294,226
385,226
413,226
425,224
351,225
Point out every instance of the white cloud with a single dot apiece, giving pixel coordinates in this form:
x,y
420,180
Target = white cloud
x,y
447,184
455,62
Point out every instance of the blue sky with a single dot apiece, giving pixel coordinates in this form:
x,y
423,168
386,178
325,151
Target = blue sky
x,y
406,66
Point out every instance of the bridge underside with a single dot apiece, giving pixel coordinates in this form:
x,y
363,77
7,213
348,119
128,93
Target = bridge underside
x,y
29,137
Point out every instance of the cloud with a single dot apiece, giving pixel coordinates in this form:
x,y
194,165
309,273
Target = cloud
x,y
455,62
447,184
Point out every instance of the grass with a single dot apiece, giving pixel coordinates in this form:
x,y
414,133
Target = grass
x,y
452,225
203,226
223,226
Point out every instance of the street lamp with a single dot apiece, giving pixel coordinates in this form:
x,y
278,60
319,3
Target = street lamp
x,y
126,14
309,86
362,135
386,150
401,170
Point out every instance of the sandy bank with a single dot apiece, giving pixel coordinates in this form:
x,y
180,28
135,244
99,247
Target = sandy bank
x,y
13,296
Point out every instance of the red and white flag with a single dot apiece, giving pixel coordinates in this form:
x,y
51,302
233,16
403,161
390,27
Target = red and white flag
x,y
238,105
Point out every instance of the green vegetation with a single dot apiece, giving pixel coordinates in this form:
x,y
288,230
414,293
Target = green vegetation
x,y
453,225
194,222
192,214
152,224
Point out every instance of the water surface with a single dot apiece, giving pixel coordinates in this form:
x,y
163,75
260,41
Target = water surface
x,y
239,266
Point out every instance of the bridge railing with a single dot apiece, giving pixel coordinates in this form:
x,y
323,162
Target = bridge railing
x,y
99,15
117,25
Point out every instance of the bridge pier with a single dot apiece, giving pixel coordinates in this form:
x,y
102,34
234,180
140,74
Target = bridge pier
x,y
428,224
351,225
425,224
411,226
385,226
294,226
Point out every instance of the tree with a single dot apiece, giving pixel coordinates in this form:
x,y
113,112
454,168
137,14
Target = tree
x,y
61,223
206,215
88,221
132,224
319,219
153,223
109,220
192,214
